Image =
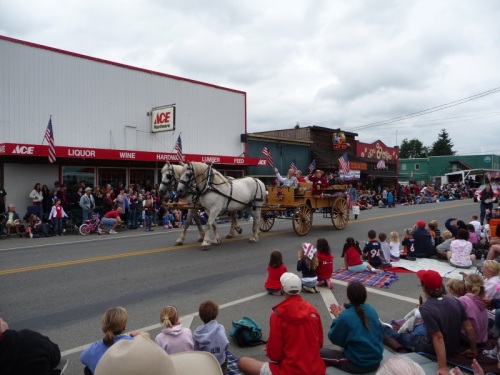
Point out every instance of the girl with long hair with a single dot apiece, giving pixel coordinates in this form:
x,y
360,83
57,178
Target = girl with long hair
x,y
275,269
357,329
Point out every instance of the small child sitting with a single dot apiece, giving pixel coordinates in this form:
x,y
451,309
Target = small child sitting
x,y
352,257
211,337
385,250
308,263
394,247
275,269
372,250
325,263
408,245
174,338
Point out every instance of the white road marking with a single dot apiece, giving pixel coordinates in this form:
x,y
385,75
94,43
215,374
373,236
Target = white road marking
x,y
382,293
328,298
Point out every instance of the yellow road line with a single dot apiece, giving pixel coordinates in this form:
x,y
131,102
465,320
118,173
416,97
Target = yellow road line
x,y
164,249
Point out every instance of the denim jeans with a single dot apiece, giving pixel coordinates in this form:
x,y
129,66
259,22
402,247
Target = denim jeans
x,y
411,341
57,225
133,217
149,219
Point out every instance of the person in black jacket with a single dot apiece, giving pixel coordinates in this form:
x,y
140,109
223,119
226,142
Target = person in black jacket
x,y
424,246
454,228
26,352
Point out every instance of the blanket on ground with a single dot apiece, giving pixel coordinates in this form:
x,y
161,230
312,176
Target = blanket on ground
x,y
444,268
378,280
232,364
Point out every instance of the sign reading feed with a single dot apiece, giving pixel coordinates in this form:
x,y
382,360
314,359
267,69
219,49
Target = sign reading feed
x,y
163,119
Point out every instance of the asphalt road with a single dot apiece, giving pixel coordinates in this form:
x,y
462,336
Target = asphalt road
x,y
61,286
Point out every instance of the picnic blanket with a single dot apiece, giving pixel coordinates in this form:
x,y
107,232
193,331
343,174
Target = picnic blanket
x,y
444,268
383,279
232,364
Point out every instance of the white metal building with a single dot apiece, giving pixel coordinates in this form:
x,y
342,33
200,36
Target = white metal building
x,y
103,115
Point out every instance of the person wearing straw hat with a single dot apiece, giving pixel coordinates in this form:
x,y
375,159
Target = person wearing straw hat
x,y
295,336
319,182
142,356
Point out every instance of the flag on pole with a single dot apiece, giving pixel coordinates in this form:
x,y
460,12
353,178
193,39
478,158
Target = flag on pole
x,y
312,167
267,154
293,166
49,136
344,164
178,149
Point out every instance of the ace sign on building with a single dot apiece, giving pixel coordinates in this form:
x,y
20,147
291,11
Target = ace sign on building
x,y
163,119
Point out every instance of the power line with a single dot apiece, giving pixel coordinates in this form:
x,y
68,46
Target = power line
x,y
429,110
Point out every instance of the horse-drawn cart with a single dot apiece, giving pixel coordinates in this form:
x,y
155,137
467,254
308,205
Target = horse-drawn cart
x,y
304,203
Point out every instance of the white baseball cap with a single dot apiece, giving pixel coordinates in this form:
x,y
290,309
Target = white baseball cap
x,y
290,283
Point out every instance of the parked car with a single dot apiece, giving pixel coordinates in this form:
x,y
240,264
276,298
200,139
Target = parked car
x,y
494,188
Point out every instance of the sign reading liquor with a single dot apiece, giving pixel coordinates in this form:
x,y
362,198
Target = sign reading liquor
x,y
163,119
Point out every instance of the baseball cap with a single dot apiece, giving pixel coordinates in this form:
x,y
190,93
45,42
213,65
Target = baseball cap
x,y
145,357
421,224
291,283
431,279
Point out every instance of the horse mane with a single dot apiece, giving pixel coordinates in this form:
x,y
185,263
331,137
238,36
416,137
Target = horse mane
x,y
176,168
200,170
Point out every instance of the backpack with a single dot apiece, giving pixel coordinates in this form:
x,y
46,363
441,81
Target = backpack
x,y
246,332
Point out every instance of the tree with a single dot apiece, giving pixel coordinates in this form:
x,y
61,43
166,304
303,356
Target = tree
x,y
412,149
442,146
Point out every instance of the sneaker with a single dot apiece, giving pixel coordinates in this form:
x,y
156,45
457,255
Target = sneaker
x,y
31,235
492,353
329,284
112,231
99,231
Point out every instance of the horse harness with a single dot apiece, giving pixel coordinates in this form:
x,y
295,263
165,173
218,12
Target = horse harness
x,y
211,186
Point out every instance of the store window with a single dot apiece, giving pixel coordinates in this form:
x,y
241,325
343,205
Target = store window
x,y
417,167
73,176
113,176
140,176
403,167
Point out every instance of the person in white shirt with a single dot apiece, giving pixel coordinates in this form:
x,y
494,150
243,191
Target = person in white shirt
x,y
289,181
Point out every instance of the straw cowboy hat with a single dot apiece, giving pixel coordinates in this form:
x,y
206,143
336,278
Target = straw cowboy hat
x,y
141,356
319,171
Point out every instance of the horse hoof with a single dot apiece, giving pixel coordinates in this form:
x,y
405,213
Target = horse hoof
x,y
178,244
252,240
239,230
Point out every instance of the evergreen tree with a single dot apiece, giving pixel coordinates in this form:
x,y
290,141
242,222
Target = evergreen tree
x,y
442,146
413,148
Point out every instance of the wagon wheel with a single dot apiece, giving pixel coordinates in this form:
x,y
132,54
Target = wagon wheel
x,y
302,219
340,213
266,221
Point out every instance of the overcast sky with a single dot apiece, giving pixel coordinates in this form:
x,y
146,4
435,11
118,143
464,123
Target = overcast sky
x,y
337,64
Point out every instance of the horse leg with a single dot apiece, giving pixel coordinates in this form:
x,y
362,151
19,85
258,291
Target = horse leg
x,y
217,239
234,226
212,216
197,221
255,226
182,237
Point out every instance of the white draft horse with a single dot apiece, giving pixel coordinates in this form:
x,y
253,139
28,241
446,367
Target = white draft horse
x,y
217,194
171,174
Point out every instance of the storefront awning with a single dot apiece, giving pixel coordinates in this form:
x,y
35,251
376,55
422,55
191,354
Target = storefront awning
x,y
41,151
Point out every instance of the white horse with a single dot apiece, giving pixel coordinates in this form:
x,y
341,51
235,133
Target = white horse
x,y
171,174
218,194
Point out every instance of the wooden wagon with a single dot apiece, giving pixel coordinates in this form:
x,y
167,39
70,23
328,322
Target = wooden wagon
x,y
304,203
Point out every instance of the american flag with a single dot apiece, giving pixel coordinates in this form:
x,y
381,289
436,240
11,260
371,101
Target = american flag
x,y
312,167
49,136
293,166
178,149
267,154
344,163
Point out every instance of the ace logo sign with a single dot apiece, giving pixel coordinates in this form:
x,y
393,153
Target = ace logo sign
x,y
23,150
163,119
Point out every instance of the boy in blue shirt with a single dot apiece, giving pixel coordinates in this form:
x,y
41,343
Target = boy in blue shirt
x,y
372,250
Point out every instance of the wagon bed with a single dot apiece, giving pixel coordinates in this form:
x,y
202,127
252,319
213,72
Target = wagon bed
x,y
304,203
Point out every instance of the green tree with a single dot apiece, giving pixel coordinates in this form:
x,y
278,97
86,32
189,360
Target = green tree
x,y
413,148
442,146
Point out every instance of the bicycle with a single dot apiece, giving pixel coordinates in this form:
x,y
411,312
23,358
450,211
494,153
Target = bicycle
x,y
90,225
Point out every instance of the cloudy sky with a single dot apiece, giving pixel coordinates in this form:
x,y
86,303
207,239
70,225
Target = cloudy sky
x,y
339,64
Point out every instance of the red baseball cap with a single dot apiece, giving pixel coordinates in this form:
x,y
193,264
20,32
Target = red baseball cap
x,y
421,224
431,279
